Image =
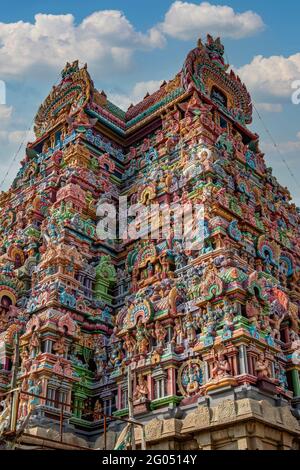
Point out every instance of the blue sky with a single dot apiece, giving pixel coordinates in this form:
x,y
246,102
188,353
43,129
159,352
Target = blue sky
x,y
130,46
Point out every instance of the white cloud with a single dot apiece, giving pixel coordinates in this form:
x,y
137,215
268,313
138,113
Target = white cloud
x,y
105,39
137,93
16,137
272,76
269,107
5,114
287,146
186,20
290,146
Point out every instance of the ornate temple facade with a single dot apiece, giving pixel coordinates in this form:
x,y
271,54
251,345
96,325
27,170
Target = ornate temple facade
x,y
210,335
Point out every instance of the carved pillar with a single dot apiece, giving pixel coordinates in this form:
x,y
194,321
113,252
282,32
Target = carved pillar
x,y
206,372
171,381
75,407
68,407
296,382
119,397
243,365
232,358
150,387
251,362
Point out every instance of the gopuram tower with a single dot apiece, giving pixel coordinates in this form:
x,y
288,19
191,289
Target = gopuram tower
x,y
208,336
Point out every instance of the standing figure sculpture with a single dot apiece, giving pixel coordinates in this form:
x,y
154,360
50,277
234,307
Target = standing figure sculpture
x,y
159,333
34,387
100,356
34,344
142,338
190,327
26,361
178,333
129,345
98,410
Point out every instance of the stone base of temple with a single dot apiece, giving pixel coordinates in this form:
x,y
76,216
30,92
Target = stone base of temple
x,y
41,438
219,424
244,424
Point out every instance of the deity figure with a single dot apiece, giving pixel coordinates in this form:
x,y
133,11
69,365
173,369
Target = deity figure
x,y
141,389
86,410
68,370
129,344
228,307
192,378
34,344
20,220
262,367
190,327
150,270
165,265
276,322
228,320
97,412
221,367
178,332
265,323
159,333
100,356
116,355
3,323
193,288
211,321
142,337
34,387
59,347
156,292
281,376
223,143
294,317
57,368
253,311
26,361
180,259
23,407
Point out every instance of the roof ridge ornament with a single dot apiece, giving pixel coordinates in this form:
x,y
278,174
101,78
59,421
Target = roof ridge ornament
x,y
205,70
215,50
69,69
69,97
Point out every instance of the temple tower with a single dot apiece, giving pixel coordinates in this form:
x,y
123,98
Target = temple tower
x,y
206,319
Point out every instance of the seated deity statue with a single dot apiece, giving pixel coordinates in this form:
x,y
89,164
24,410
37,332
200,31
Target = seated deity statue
x,y
262,367
221,367
141,390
